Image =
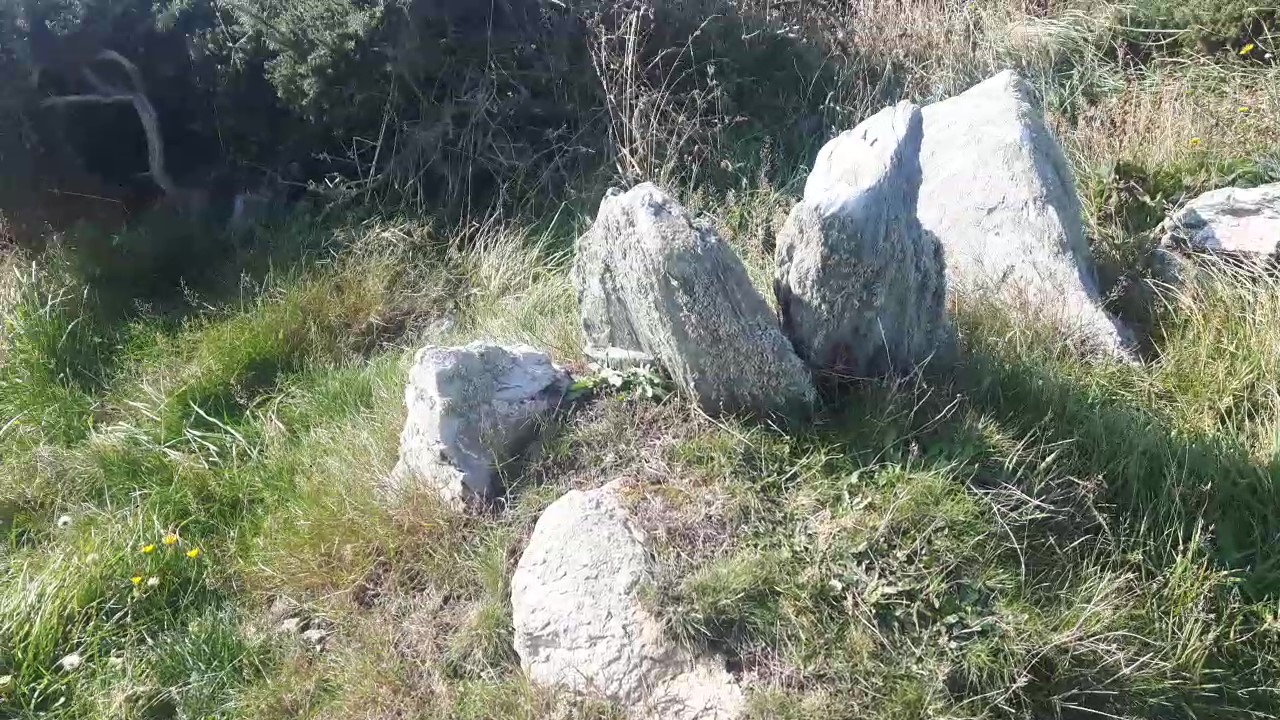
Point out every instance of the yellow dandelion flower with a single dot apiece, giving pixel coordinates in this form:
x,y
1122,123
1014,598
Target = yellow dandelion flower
x,y
1244,108
170,540
1247,49
136,579
148,548
193,553
1195,142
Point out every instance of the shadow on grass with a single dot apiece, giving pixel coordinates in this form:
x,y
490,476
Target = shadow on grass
x,y
1076,555
1146,476
1100,476
1167,484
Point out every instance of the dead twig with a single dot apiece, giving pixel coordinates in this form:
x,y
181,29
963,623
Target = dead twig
x,y
136,96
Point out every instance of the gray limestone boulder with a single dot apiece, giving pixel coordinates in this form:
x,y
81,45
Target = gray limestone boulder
x,y
998,194
580,625
472,409
1238,225
861,286
652,282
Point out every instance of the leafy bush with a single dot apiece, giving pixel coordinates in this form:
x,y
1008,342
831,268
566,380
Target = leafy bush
x,y
442,103
1208,24
435,100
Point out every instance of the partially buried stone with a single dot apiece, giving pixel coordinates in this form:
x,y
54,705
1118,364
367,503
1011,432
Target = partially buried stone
x,y
1237,225
652,283
580,625
471,410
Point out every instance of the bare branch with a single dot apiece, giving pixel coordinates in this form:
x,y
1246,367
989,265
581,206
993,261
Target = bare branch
x,y
98,83
84,99
141,104
155,143
135,76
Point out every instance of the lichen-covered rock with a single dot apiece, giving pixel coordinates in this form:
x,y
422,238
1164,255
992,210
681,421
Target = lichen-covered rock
x,y
651,281
1235,224
998,194
470,410
861,285
580,625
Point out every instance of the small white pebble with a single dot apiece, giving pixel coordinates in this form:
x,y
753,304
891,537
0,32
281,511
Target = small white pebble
x,y
153,581
315,636
64,521
70,662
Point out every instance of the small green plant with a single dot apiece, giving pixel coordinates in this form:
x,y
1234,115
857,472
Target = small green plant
x,y
642,383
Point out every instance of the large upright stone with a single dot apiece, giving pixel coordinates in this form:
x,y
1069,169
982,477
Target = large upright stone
x,y
471,410
651,281
998,194
580,624
1235,224
860,284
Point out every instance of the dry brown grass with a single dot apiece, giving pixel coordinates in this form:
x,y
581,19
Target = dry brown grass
x,y
1178,111
9,289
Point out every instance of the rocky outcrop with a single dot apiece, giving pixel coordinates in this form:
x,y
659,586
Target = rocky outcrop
x,y
1235,224
998,195
580,625
650,281
470,410
860,284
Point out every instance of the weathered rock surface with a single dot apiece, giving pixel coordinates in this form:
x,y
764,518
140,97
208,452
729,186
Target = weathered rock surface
x,y
470,410
651,281
998,194
1236,224
861,285
579,623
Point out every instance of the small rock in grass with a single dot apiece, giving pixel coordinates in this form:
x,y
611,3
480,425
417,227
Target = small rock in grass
x,y
580,625
1239,225
471,410
315,637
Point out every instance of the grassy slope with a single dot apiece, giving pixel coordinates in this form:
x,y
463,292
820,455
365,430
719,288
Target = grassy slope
x,y
1021,536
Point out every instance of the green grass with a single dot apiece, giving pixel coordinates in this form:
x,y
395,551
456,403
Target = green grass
x,y
256,431
1020,535
1035,538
